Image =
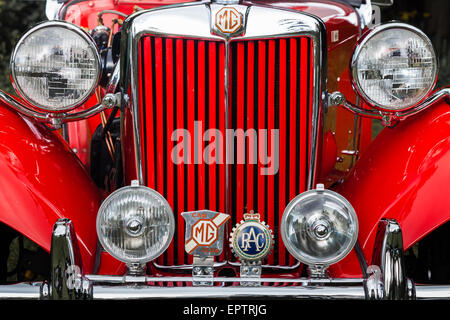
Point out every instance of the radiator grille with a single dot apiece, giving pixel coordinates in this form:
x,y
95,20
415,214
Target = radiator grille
x,y
182,86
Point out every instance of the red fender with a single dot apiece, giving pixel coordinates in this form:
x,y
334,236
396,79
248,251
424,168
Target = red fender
x,y
41,180
404,175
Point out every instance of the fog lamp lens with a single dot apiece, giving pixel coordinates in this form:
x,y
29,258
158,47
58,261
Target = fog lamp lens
x,y
319,227
135,224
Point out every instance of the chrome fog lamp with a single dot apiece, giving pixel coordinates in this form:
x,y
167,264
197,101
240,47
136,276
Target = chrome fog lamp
x,y
55,66
135,224
394,67
319,227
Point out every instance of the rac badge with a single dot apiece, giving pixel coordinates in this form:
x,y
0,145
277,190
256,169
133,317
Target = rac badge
x,y
204,232
251,240
228,20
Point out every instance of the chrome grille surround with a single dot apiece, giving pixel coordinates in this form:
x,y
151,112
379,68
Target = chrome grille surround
x,y
194,20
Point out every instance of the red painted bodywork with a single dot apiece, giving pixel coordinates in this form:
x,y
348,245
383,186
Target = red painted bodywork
x,y
400,175
41,181
404,175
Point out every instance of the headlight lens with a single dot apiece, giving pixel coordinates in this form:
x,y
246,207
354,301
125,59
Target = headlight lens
x,y
135,224
55,66
394,67
319,227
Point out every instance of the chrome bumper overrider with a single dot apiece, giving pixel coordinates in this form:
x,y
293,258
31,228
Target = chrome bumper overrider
x,y
386,279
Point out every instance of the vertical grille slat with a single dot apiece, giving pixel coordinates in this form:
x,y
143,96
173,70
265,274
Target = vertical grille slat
x,y
250,123
169,181
271,104
212,123
280,116
183,86
158,51
262,89
291,169
239,99
177,235
220,121
179,123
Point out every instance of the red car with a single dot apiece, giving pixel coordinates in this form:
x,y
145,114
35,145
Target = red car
x,y
224,149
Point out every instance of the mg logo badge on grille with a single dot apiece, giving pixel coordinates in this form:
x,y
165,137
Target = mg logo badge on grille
x,y
204,232
228,20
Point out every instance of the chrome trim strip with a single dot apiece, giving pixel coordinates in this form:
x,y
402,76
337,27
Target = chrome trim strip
x,y
303,281
113,82
192,20
21,107
84,114
444,92
432,292
25,290
188,267
51,118
224,2
337,98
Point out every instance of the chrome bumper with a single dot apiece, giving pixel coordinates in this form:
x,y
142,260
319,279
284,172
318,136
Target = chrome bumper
x,y
33,291
386,279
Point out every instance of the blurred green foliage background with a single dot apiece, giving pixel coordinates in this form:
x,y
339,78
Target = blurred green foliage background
x,y
432,17
16,17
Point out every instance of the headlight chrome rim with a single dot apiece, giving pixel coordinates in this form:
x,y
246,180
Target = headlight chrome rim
x,y
73,28
167,207
305,196
357,51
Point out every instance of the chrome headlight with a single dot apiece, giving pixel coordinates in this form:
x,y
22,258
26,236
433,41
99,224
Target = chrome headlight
x,y
394,67
55,66
135,224
319,227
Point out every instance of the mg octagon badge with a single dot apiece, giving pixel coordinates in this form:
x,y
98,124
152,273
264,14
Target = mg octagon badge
x,y
204,232
228,21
